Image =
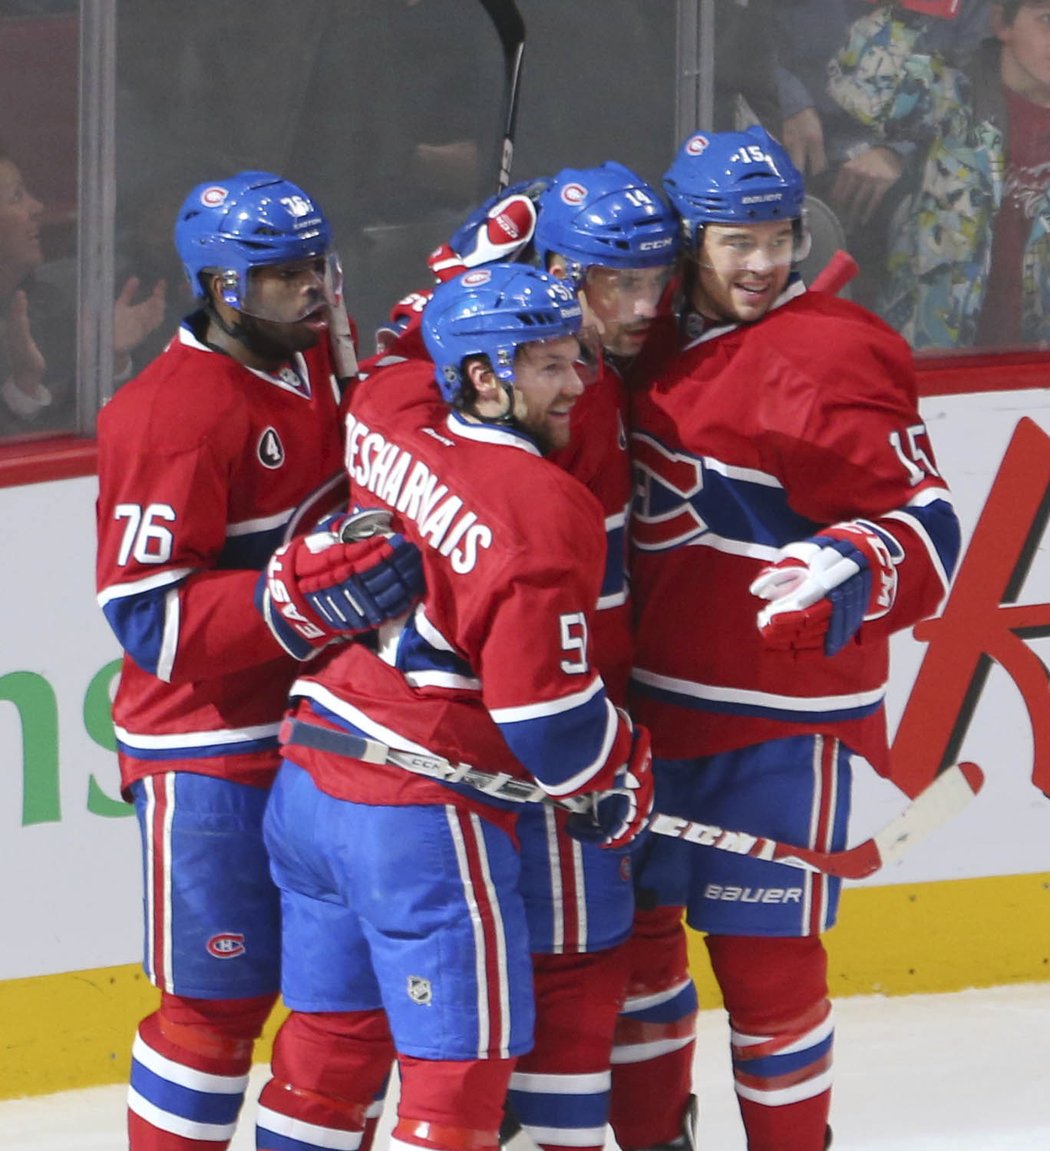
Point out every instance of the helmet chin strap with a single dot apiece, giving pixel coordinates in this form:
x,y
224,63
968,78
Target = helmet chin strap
x,y
235,331
505,419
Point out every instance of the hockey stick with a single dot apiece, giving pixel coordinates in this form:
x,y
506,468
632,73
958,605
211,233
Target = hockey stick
x,y
836,273
510,28
945,797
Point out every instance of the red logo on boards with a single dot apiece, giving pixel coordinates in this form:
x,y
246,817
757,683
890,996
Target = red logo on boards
x,y
982,623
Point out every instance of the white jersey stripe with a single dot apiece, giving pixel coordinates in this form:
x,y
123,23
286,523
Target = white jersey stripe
x,y
760,699
307,1133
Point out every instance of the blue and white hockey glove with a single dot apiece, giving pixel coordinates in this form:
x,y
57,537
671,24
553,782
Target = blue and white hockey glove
x,y
820,590
615,818
343,581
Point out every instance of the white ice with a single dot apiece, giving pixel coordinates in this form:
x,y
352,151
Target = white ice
x,y
958,1072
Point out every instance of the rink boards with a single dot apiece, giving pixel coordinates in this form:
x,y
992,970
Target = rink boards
x,y
970,907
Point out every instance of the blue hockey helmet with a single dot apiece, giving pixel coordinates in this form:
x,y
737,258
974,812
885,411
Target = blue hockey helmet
x,y
733,178
607,216
492,311
250,220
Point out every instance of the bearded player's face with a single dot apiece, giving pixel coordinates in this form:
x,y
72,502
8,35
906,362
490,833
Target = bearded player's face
x,y
742,269
546,387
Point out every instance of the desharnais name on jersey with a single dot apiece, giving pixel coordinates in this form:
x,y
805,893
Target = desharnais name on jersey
x,y
493,668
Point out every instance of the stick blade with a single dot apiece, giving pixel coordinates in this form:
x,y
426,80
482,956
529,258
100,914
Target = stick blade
x,y
948,795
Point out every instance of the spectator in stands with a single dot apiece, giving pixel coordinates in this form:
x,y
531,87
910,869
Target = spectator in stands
x,y
967,263
38,318
859,177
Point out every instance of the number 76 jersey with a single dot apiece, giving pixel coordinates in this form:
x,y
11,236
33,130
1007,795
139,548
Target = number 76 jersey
x,y
750,438
204,466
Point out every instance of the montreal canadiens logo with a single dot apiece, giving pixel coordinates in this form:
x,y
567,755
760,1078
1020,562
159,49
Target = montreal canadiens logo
x,y
696,145
213,196
476,279
226,945
573,193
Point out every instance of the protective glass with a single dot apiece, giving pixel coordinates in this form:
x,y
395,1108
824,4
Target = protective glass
x,y
289,292
623,295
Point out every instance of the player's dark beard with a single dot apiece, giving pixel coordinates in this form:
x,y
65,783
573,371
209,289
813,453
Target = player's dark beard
x,y
271,341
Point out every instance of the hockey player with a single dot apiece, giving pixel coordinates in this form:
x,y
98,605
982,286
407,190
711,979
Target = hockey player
x,y
412,885
611,235
788,518
203,460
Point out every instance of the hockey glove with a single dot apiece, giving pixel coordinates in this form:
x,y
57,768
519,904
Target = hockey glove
x,y
405,314
820,590
340,582
618,816
498,231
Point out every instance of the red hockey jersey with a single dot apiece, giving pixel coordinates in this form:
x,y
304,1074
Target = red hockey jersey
x,y
752,437
598,456
203,464
493,668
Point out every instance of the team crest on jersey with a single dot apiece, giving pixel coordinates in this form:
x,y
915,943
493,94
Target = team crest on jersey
x,y
226,945
271,450
420,991
668,486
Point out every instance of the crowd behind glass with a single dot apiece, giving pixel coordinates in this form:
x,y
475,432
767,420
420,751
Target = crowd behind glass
x,y
389,112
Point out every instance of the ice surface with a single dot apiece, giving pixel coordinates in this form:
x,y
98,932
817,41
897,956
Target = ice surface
x,y
957,1072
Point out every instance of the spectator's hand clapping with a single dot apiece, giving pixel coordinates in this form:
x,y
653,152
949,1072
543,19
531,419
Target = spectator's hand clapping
x,y
133,322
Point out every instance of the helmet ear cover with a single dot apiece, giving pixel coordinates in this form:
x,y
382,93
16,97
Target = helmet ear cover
x,y
489,313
